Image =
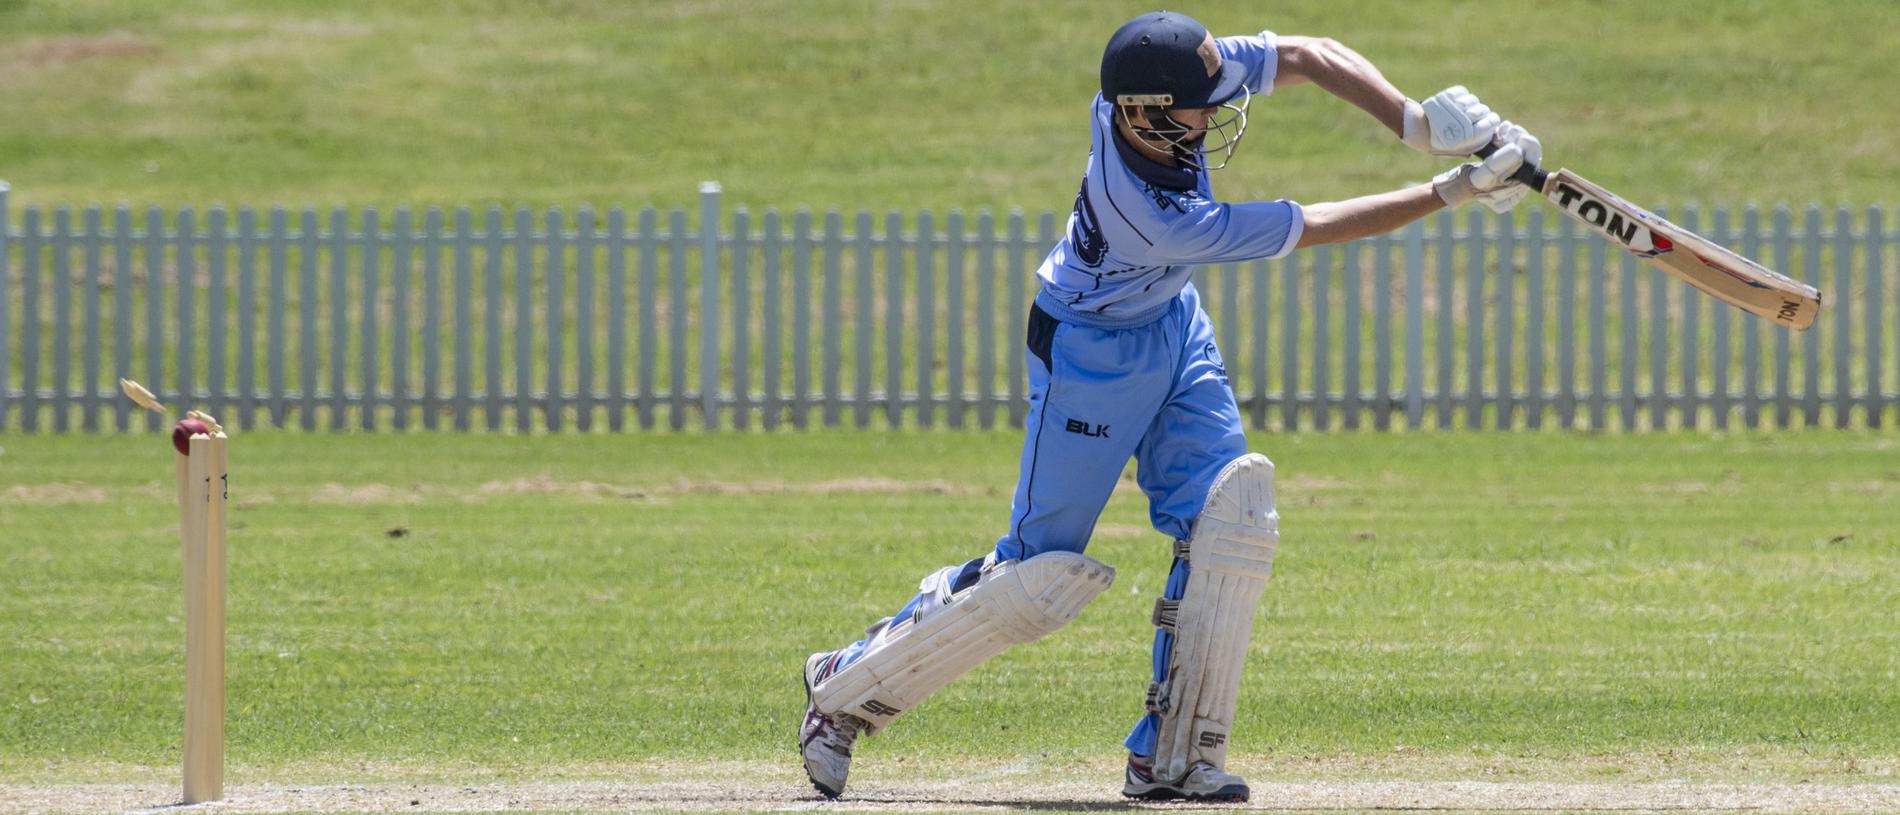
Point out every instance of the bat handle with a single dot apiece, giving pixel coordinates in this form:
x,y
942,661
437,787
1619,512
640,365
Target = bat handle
x,y
1529,174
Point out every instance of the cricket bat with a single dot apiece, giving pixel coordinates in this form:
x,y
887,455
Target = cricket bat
x,y
1691,258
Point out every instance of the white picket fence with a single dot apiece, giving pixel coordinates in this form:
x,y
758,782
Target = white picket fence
x,y
545,320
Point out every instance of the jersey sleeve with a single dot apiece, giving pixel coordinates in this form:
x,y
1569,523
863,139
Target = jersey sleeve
x,y
1260,53
1215,232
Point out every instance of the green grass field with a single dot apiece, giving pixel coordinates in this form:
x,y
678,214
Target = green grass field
x,y
1651,612
855,103
1553,606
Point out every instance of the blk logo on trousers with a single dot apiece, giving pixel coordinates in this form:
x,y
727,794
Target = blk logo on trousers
x,y
1099,431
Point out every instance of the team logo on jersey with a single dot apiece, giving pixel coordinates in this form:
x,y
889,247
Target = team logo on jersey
x,y
1212,354
1168,200
1085,232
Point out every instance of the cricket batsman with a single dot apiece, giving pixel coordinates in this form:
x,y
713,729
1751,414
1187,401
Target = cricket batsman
x,y
1122,362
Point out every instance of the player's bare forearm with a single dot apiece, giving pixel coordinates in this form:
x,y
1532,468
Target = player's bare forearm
x,y
1366,216
1341,72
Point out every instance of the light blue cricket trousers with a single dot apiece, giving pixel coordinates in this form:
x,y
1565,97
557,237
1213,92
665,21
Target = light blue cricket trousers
x,y
1154,390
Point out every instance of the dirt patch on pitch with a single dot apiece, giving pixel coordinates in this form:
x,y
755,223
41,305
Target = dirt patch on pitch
x,y
353,494
544,485
712,793
1311,483
74,493
63,50
838,486
372,493
1123,531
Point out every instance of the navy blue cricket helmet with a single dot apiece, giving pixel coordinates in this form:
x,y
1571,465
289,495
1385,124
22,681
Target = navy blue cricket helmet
x,y
1163,60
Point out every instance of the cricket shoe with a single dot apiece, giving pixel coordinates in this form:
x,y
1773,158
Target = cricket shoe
x,y
825,741
1203,782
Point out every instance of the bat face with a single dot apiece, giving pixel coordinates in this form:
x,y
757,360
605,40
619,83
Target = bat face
x,y
1695,260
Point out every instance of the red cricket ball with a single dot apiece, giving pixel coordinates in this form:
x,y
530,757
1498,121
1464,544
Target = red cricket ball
x,y
184,430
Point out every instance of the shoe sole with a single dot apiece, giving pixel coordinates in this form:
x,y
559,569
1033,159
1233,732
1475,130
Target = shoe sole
x,y
1232,794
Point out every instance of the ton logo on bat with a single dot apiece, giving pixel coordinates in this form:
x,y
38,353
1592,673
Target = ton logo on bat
x,y
1599,215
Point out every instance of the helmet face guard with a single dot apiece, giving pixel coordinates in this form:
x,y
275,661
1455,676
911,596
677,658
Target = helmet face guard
x,y
1163,132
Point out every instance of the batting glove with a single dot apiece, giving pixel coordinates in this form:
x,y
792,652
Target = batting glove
x,y
1450,123
1464,183
1503,199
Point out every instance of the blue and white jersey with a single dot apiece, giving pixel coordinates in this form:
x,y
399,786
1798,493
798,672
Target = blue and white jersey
x,y
1139,225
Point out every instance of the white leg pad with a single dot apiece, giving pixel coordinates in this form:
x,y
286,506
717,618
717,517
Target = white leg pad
x,y
1012,602
1230,558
